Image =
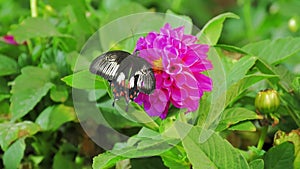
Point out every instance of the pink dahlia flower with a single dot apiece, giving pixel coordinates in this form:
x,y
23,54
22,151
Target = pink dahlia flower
x,y
177,62
9,39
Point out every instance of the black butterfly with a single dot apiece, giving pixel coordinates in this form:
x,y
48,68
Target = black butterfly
x,y
127,73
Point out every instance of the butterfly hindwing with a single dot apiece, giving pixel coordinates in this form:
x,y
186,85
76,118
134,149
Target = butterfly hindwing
x,y
141,71
146,80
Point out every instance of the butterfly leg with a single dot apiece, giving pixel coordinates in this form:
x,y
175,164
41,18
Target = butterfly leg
x,y
112,85
115,93
127,100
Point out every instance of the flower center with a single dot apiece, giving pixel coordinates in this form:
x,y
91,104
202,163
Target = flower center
x,y
157,64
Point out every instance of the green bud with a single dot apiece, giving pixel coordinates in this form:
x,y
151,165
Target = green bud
x,y
293,24
267,101
274,8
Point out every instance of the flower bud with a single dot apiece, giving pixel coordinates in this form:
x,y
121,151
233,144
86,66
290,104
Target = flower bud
x,y
293,24
267,101
274,8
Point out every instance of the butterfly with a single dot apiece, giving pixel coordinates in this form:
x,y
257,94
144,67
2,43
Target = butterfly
x,y
128,74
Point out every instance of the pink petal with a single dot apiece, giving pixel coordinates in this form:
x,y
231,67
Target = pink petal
x,y
205,83
190,80
192,104
201,65
158,102
159,42
174,69
165,112
159,81
171,51
189,39
9,39
179,32
166,29
200,49
189,58
180,79
168,82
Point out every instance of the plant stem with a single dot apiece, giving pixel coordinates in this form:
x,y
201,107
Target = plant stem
x,y
29,46
33,8
182,116
262,137
247,17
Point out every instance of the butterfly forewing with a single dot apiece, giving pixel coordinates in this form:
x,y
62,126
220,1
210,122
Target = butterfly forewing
x,y
128,74
107,64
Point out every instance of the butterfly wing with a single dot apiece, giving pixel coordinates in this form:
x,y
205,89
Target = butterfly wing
x,y
128,74
107,64
139,74
145,78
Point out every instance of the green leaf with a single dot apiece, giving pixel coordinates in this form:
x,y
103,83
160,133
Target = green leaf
x,y
13,155
28,89
62,161
231,48
8,66
257,164
124,10
281,156
77,20
85,80
71,59
148,162
274,52
243,126
233,116
4,110
4,89
206,149
55,60
36,159
213,103
106,160
240,69
124,164
142,147
4,96
284,77
179,20
59,93
293,137
34,28
176,159
234,91
9,132
113,117
136,21
211,32
137,114
148,133
53,117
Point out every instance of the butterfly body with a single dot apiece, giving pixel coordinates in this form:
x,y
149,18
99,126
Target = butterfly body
x,y
127,73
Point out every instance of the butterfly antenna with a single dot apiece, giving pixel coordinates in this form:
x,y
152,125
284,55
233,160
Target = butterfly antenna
x,y
133,39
